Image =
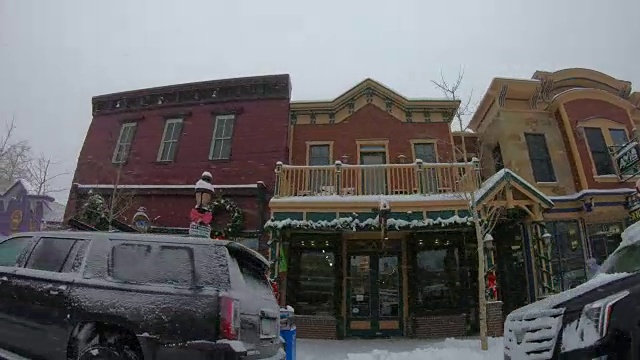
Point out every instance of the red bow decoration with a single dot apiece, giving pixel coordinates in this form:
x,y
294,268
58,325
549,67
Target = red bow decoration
x,y
200,218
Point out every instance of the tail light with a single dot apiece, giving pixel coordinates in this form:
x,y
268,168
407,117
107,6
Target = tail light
x,y
229,318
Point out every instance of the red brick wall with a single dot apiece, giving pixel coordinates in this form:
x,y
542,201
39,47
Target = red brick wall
x,y
440,326
370,122
312,327
259,140
495,319
584,109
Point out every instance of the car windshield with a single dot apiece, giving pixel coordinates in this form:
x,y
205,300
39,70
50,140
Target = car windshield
x,y
623,260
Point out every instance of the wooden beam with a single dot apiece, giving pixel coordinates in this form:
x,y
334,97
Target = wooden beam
x,y
509,194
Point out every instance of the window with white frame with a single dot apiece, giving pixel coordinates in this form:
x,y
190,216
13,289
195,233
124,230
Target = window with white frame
x,y
222,133
123,146
170,137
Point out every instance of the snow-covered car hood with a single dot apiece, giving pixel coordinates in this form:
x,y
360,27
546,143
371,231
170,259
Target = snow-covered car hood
x,y
557,299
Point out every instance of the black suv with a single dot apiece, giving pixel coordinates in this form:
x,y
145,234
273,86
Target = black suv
x,y
99,295
599,319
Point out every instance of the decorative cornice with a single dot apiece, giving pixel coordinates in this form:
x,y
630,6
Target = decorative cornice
x,y
239,89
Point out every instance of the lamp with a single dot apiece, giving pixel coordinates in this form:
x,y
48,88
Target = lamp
x,y
546,237
587,205
204,191
488,241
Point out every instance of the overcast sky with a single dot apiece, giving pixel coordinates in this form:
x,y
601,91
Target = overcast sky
x,y
56,54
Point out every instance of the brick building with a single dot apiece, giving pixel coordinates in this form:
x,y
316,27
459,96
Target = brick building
x,y
345,275
545,167
146,149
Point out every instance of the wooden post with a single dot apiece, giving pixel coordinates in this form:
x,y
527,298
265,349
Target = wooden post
x,y
405,287
276,192
420,171
345,271
338,178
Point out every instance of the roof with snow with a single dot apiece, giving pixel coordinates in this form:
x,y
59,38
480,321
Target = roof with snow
x,y
54,212
504,177
21,183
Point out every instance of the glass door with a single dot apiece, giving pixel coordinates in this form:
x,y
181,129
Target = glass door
x,y
374,174
374,296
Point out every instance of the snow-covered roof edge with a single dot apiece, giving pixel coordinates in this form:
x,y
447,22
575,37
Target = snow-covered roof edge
x,y
591,192
28,188
168,186
507,175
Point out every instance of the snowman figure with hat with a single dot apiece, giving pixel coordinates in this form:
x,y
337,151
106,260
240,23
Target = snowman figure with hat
x,y
200,215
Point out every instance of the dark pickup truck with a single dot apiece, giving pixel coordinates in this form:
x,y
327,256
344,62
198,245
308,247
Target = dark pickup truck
x,y
99,295
599,319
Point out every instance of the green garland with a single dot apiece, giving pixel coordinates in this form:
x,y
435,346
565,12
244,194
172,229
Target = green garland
x,y
234,227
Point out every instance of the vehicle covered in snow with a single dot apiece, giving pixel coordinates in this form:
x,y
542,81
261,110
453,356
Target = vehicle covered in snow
x,y
97,295
599,318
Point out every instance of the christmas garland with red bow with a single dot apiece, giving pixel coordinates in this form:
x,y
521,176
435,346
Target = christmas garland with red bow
x,y
235,225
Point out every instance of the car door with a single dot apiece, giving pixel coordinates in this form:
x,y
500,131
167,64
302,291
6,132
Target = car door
x,y
12,253
42,287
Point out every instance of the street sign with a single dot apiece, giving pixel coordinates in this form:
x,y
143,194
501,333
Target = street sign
x,y
626,159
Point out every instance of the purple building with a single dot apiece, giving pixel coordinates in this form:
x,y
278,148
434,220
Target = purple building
x,y
21,209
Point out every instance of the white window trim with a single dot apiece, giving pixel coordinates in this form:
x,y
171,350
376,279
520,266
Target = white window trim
x,y
120,143
214,138
164,142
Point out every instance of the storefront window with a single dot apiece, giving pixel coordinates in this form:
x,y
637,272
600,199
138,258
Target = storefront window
x,y
604,239
311,282
437,278
567,254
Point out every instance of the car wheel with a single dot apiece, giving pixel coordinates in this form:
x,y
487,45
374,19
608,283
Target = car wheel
x,y
113,349
98,352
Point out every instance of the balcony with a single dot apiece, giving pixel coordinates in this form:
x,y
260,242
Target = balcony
x,y
418,178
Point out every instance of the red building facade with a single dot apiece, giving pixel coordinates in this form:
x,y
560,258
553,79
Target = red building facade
x,y
146,148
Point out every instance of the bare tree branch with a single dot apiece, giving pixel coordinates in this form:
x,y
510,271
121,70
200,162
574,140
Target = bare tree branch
x,y
452,91
40,175
15,155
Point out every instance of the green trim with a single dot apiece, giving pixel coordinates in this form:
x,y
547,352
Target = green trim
x,y
445,214
320,216
280,216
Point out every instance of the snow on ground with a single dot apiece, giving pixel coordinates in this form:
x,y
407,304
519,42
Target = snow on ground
x,y
398,349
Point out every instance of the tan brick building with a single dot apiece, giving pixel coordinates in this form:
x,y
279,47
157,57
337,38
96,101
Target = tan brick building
x,y
348,274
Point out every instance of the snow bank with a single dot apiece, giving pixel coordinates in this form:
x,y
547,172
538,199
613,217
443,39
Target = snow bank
x,y
398,349
631,235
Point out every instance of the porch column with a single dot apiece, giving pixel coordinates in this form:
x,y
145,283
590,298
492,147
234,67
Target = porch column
x,y
405,288
345,271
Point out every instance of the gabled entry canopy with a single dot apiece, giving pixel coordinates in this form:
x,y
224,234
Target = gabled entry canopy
x,y
508,189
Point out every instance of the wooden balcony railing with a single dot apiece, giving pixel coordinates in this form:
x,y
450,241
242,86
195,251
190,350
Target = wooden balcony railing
x,y
391,179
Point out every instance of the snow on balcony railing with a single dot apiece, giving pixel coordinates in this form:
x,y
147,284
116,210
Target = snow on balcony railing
x,y
388,179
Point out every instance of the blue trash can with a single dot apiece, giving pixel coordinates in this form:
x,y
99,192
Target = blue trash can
x,y
288,332
289,337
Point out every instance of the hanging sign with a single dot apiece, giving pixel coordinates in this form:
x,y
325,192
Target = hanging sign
x,y
627,159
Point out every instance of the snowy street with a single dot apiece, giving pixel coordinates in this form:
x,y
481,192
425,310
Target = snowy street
x,y
397,349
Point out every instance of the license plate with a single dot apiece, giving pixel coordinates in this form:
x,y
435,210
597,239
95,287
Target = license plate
x,y
268,328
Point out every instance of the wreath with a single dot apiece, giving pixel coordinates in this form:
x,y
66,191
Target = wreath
x,y
235,224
